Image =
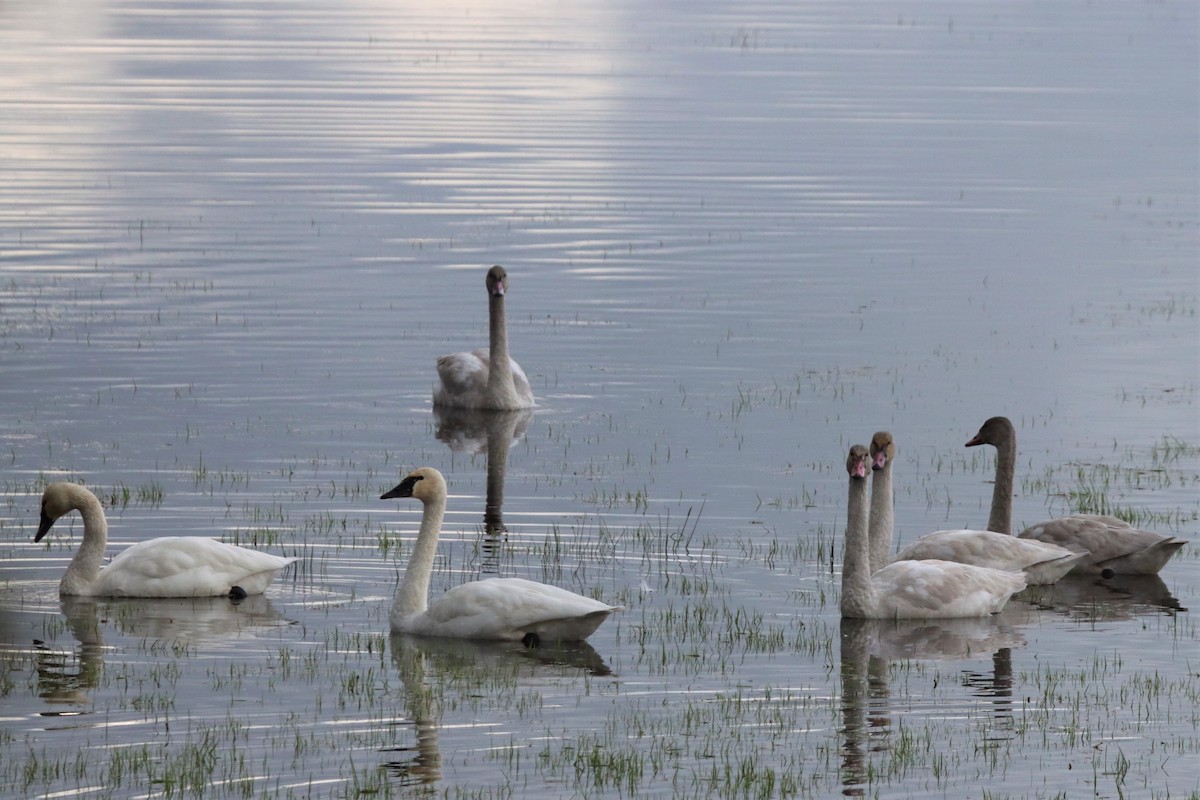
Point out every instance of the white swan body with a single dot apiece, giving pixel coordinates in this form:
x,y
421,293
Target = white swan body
x,y
1111,546
511,609
171,566
1040,562
485,379
911,589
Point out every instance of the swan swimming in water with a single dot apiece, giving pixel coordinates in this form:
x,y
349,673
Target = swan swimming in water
x,y
170,566
1112,546
1040,562
485,379
911,589
510,609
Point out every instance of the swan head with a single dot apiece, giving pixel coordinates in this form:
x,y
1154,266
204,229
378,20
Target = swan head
x,y
424,484
883,449
993,432
58,500
497,281
856,462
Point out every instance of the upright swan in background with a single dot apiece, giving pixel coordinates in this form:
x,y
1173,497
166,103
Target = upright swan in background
x,y
1041,563
511,609
911,589
1112,546
171,566
485,379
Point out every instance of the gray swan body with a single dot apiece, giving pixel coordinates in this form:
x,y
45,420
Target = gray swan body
x,y
925,589
1040,563
485,379
1110,545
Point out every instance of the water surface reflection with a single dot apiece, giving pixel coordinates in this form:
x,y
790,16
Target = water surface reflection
x,y
869,648
234,239
434,669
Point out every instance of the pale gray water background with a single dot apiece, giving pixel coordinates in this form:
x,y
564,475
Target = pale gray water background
x,y
234,238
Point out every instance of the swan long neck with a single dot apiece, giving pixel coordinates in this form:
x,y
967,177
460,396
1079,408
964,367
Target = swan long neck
x,y
85,566
856,571
500,380
1000,518
413,594
882,516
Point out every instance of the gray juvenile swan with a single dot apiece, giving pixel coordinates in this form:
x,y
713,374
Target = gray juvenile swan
x,y
509,609
485,379
170,566
1040,562
1112,546
911,589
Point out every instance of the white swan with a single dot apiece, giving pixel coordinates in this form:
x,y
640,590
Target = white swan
x,y
1042,563
1112,546
511,609
171,566
485,379
911,589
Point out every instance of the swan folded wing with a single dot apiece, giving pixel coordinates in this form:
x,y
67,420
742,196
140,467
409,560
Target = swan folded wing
x,y
1109,542
187,566
462,373
983,549
932,588
511,608
521,383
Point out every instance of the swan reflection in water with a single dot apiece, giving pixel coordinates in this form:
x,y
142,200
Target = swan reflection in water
x,y
66,678
868,646
489,433
428,665
1096,598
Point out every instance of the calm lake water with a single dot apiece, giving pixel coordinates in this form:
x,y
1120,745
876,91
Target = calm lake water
x,y
740,237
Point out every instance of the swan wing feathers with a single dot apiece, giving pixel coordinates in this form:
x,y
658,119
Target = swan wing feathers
x,y
521,382
1109,542
983,549
187,566
932,588
510,608
462,373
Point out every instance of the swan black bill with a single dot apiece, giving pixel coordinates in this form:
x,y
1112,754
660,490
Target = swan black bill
x,y
43,527
403,489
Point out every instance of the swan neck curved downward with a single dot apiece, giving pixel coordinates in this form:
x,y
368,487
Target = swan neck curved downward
x,y
84,568
413,595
